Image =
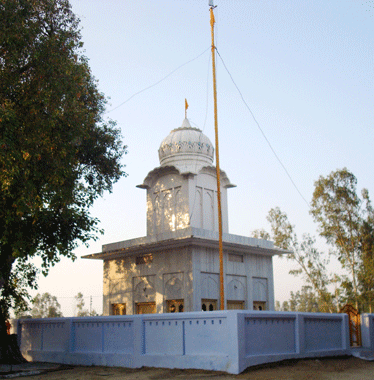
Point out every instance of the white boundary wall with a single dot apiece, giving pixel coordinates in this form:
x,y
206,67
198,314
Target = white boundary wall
x,y
367,331
227,341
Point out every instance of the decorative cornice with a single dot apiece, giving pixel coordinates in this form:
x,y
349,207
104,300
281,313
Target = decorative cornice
x,y
176,147
155,174
190,236
160,171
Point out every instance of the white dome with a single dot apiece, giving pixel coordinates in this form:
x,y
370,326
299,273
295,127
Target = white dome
x,y
187,149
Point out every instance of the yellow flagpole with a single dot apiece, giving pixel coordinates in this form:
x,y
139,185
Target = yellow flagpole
x,y
221,277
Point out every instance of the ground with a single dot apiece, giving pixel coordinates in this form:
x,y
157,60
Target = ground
x,y
347,368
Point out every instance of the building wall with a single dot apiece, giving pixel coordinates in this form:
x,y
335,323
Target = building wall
x,y
261,283
248,278
166,276
203,202
167,204
190,274
175,202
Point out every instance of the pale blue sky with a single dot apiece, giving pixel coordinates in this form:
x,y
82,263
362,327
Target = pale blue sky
x,y
305,68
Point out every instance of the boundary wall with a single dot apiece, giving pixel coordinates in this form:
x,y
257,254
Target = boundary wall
x,y
230,340
367,331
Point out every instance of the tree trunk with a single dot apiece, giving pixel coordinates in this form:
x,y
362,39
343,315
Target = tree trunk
x,y
9,350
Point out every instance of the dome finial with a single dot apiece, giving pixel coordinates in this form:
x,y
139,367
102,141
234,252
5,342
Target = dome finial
x,y
185,108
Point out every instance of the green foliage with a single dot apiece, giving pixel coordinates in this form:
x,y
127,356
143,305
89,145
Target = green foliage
x,y
304,300
80,305
261,234
80,310
57,153
23,278
311,262
366,268
45,306
346,222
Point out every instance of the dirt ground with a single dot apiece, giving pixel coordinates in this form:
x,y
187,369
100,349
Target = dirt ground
x,y
347,368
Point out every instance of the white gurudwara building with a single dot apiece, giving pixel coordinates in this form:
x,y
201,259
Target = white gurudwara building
x,y
175,268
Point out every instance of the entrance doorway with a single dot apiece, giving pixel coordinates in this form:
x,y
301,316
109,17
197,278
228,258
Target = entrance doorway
x,y
145,308
354,325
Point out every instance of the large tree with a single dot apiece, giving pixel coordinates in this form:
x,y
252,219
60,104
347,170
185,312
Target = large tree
x,y
81,311
57,153
312,264
45,306
366,269
346,221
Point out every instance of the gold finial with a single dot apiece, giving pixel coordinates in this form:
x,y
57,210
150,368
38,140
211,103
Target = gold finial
x,y
185,108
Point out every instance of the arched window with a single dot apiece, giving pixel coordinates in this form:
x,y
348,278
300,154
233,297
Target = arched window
x,y
207,304
174,306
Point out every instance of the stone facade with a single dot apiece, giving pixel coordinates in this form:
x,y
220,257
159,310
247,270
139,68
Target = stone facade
x,y
175,268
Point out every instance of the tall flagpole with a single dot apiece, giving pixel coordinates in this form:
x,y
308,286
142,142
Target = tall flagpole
x,y
221,277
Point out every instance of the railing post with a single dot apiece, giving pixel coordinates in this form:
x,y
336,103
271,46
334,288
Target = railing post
x,y
299,334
